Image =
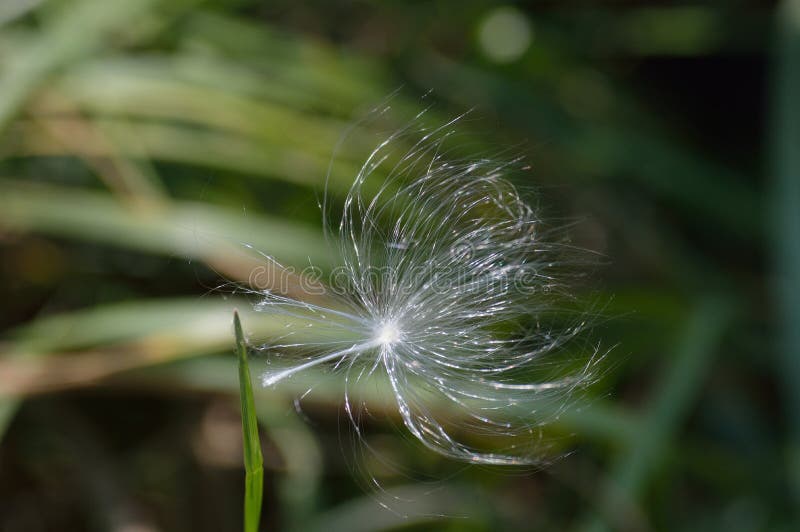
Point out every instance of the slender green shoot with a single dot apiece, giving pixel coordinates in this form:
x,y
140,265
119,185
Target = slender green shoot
x,y
253,461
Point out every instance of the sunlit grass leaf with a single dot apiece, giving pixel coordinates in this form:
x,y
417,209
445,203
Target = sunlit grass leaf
x,y
77,30
184,229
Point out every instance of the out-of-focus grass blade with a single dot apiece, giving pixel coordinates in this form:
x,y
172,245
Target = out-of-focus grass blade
x,y
197,147
187,321
668,408
79,29
13,9
253,461
149,89
8,407
785,153
599,422
326,74
301,454
77,348
185,229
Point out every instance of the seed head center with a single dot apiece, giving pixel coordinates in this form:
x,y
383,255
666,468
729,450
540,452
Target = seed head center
x,y
387,333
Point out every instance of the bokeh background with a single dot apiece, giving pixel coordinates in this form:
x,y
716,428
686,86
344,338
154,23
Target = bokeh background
x,y
143,142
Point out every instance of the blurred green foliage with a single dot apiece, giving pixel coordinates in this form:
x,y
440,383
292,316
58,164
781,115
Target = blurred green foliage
x,y
148,146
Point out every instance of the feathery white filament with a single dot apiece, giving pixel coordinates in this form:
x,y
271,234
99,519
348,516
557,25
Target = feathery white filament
x,y
446,283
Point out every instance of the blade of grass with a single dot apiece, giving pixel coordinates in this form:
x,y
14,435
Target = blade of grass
x,y
786,222
253,461
8,407
668,408
186,229
600,421
325,73
78,348
77,31
297,442
106,88
186,321
10,11
190,146
129,180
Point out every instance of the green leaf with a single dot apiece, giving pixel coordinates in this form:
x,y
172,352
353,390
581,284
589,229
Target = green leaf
x,y
669,406
8,407
785,159
192,230
253,461
76,32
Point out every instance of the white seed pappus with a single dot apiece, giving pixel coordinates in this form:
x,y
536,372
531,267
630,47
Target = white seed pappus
x,y
445,284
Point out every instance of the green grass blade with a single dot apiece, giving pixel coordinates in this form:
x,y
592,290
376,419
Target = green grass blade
x,y
253,461
8,407
669,407
786,221
76,32
187,229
